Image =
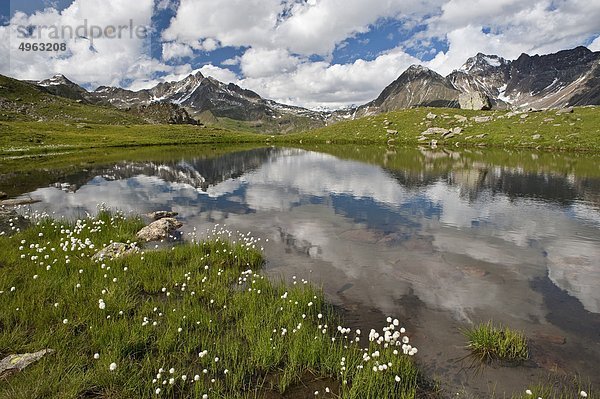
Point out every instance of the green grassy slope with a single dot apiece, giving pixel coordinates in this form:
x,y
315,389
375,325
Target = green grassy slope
x,y
24,102
578,131
191,321
21,138
32,120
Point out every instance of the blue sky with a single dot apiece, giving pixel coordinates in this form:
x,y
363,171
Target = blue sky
x,y
314,53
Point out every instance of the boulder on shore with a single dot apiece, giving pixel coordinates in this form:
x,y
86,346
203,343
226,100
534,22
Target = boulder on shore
x,y
12,364
159,229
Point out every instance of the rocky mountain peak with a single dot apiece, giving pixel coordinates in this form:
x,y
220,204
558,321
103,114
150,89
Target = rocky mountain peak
x,y
482,62
418,86
58,79
195,77
415,70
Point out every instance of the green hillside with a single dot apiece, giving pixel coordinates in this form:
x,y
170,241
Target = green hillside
x,y
578,130
25,102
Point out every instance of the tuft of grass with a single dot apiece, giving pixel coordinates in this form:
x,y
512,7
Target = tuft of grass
x,y
558,388
489,342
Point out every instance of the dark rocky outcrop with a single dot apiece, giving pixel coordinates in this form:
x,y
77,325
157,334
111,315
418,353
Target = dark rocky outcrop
x,y
164,112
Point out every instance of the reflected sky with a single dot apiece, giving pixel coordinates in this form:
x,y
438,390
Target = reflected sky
x,y
494,228
467,242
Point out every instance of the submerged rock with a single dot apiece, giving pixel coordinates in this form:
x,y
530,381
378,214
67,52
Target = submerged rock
x,y
159,230
161,215
553,339
14,363
115,250
18,201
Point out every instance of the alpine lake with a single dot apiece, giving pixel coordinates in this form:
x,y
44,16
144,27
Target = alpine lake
x,y
440,239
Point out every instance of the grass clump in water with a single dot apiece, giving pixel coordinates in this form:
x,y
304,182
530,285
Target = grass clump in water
x,y
197,320
558,387
489,342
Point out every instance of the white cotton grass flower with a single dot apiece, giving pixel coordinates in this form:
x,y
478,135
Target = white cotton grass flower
x,y
96,356
583,394
528,392
112,367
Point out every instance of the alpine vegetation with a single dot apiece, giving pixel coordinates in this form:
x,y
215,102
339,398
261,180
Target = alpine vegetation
x,y
489,342
194,319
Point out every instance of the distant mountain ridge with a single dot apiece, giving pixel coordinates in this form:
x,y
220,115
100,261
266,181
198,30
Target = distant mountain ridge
x,y
566,78
197,95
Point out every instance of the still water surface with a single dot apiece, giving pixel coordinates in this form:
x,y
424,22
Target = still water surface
x,y
438,239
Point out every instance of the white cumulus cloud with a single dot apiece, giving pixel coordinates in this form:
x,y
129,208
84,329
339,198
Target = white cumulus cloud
x,y
284,49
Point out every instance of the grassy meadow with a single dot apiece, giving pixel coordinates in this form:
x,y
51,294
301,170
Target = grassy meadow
x,y
550,130
31,138
189,320
545,130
